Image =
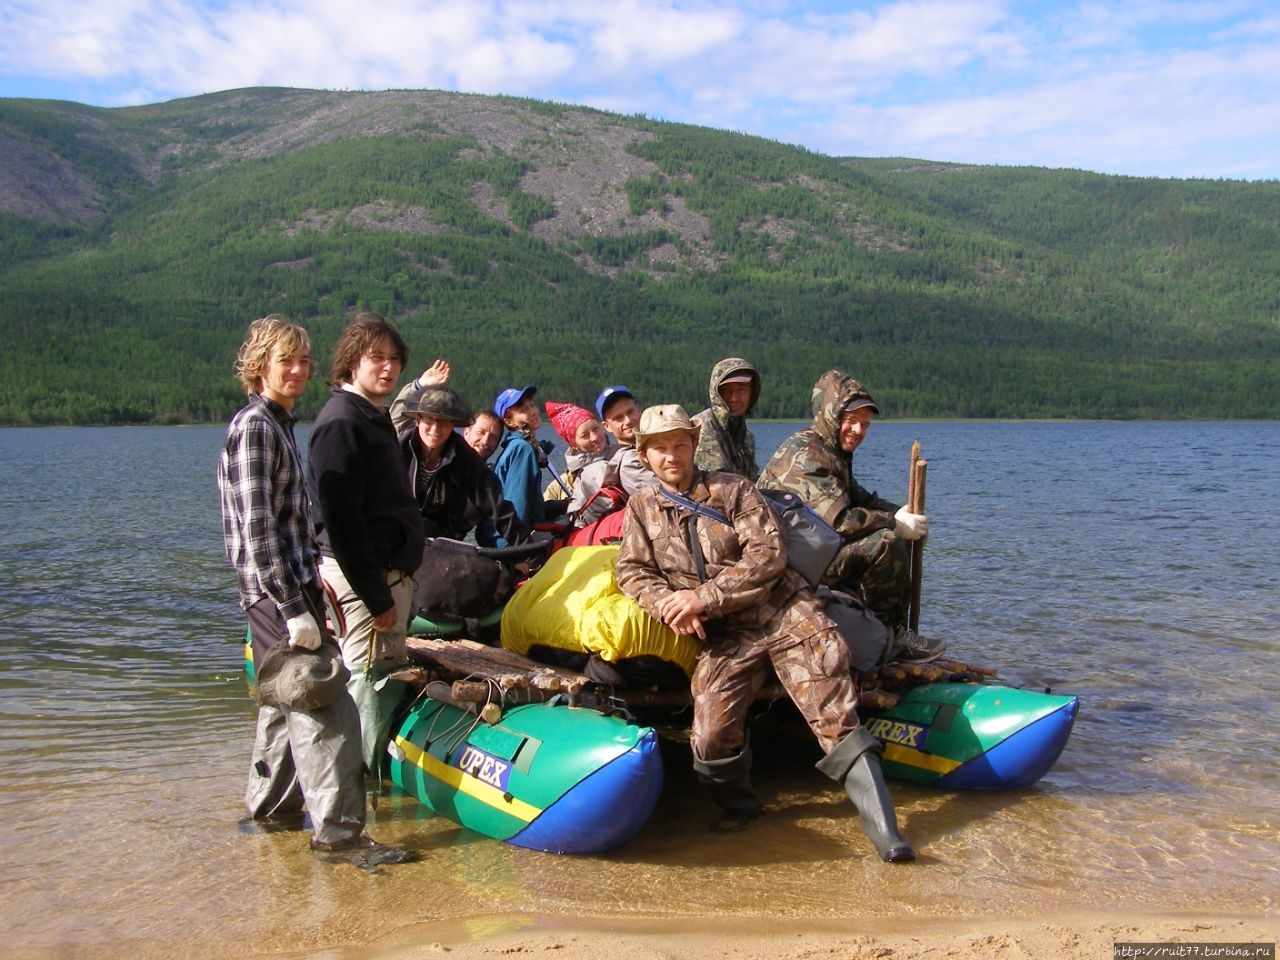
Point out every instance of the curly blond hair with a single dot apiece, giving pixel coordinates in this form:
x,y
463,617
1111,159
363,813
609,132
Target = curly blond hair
x,y
264,336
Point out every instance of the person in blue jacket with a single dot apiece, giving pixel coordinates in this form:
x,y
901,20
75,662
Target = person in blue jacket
x,y
521,456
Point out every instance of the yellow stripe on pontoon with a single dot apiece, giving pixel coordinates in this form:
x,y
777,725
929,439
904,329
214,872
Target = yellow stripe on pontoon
x,y
468,785
921,761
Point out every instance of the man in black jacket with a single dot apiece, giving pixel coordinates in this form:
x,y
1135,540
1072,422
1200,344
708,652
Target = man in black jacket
x,y
371,530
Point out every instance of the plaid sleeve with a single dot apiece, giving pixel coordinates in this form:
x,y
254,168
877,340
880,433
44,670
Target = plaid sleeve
x,y
263,541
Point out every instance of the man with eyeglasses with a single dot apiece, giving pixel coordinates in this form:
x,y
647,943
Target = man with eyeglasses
x,y
371,530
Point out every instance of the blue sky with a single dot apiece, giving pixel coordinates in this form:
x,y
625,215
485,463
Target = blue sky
x,y
1143,87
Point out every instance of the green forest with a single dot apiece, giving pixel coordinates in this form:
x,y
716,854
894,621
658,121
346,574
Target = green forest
x,y
529,242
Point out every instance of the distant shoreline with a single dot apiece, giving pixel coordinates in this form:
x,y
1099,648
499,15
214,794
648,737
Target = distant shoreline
x,y
885,421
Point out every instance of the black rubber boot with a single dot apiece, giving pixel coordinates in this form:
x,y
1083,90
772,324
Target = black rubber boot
x,y
363,852
855,763
730,781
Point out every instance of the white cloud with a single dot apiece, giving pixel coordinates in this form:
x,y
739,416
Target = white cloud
x,y
1145,86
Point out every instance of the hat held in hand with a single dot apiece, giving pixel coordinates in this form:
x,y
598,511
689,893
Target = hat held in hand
x,y
301,679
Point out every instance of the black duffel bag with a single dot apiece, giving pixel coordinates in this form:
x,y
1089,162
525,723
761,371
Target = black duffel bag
x,y
456,582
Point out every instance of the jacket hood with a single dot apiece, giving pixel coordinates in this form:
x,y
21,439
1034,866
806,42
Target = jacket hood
x,y
831,394
720,372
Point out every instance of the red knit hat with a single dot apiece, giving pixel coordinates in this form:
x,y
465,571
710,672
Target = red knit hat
x,y
567,418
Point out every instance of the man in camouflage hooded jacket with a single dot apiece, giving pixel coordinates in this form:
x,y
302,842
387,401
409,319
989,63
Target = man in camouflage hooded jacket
x,y
816,464
725,443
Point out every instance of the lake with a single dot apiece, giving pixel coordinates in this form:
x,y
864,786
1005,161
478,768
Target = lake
x,y
1131,564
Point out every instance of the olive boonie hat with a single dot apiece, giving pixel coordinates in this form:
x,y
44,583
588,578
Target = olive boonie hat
x,y
301,679
664,418
442,403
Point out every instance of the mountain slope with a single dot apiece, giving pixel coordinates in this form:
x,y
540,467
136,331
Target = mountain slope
x,y
531,242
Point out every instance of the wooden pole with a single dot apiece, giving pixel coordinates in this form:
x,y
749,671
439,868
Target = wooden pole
x,y
911,545
911,473
915,503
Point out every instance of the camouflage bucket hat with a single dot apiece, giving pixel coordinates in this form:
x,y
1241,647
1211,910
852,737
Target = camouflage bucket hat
x,y
664,418
442,403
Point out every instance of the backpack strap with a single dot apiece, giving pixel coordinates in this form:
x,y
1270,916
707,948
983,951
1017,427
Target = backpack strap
x,y
697,510
694,507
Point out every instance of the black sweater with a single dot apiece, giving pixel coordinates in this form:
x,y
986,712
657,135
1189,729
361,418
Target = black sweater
x,y
369,521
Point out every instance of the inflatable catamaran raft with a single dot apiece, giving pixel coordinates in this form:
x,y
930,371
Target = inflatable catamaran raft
x,y
545,757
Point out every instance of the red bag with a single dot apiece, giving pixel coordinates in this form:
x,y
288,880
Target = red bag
x,y
606,530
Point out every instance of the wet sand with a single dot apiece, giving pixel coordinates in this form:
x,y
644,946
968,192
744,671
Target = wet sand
x,y
1054,936
1090,935
1058,870
1044,873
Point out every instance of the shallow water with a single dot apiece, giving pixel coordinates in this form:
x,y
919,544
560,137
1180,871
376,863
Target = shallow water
x,y
1132,564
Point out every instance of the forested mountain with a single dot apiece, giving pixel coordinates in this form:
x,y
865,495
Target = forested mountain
x,y
528,242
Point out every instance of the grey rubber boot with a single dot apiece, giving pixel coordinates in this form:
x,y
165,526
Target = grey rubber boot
x,y
730,782
855,763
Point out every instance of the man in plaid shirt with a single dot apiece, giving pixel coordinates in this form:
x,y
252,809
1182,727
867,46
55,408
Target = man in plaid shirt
x,y
309,756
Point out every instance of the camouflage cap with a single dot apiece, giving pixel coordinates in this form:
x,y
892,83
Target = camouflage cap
x,y
664,418
440,403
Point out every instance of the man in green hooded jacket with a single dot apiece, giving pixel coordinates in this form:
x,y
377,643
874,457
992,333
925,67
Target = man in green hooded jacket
x,y
725,443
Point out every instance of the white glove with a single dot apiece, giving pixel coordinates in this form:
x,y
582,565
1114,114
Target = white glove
x,y
910,526
304,632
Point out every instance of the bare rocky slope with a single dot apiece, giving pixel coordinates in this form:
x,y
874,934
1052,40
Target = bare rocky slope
x,y
51,171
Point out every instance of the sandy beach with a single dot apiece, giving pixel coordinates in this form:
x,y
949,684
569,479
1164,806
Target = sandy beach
x,y
1092,935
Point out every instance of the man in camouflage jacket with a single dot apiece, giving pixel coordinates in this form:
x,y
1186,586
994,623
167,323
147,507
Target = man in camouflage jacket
x,y
752,612
724,442
816,464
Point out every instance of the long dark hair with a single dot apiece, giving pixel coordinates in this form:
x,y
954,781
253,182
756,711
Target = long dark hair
x,y
364,333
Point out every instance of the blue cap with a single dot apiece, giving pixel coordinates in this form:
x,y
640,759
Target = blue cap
x,y
609,393
509,398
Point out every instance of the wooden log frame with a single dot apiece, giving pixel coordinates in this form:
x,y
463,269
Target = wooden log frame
x,y
482,674
870,699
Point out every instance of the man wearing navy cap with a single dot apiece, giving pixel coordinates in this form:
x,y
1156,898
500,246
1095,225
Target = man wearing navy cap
x,y
620,415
